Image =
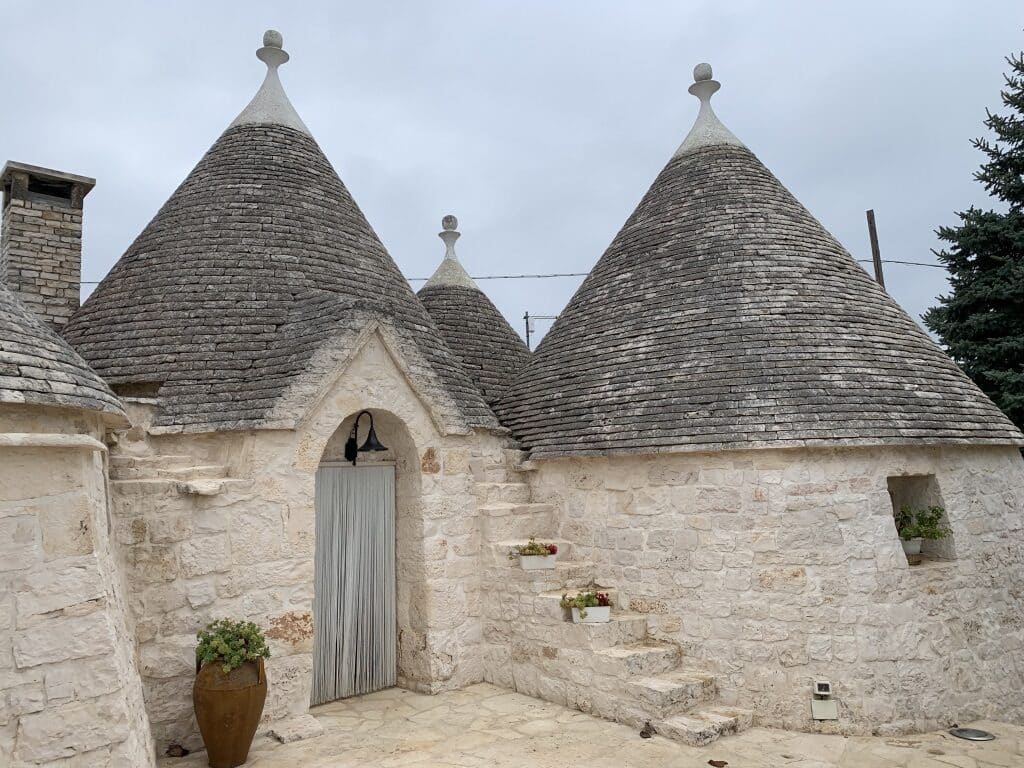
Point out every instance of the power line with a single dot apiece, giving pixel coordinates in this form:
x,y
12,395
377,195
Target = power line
x,y
511,277
911,263
584,274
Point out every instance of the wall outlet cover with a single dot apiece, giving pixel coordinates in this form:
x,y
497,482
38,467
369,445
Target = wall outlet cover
x,y
824,709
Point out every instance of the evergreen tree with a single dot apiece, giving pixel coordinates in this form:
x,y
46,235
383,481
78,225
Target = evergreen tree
x,y
981,323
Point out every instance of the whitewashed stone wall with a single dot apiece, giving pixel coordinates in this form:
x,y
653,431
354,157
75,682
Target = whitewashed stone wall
x,y
779,568
70,692
243,547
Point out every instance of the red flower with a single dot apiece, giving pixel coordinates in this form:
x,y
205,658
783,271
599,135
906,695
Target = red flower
x,y
603,600
552,549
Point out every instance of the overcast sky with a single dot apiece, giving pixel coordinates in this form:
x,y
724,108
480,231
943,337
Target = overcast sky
x,y
540,124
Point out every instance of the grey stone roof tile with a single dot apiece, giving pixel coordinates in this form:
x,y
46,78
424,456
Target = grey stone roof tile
x,y
219,299
37,367
491,352
724,315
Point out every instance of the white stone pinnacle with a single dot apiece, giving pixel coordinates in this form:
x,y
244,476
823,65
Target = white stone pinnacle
x,y
450,271
270,105
707,129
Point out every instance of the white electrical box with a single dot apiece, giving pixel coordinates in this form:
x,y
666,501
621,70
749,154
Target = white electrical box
x,y
823,706
824,709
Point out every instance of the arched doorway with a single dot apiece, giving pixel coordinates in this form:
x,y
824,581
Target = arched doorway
x,y
355,593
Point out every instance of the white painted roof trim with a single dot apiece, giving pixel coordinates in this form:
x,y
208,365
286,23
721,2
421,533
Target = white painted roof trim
x,y
270,105
707,129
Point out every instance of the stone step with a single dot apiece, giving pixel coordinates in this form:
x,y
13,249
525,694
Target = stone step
x,y
156,460
497,493
548,603
142,467
163,467
168,487
674,692
621,629
210,486
567,576
147,487
643,659
198,472
496,553
506,521
704,726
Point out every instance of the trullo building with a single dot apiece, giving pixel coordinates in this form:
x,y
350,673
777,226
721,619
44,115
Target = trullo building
x,y
69,683
490,352
728,413
717,431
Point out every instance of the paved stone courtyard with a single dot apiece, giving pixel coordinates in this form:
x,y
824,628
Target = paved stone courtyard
x,y
484,726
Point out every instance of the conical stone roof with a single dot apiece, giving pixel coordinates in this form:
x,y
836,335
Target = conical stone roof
x,y
724,315
256,260
37,367
491,353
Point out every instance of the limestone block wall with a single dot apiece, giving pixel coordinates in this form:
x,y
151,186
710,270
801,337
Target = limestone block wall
x,y
240,543
69,686
779,568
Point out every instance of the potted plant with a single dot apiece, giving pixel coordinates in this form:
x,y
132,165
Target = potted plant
x,y
916,525
589,607
230,689
534,555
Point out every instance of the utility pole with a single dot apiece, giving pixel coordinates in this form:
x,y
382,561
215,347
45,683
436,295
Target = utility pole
x,y
529,324
876,255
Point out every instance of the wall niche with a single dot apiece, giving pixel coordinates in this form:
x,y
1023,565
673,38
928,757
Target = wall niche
x,y
920,492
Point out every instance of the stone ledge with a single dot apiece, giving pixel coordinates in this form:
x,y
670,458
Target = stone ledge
x,y
50,440
207,487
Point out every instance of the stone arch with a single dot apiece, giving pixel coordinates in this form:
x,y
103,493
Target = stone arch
x,y
411,608
439,644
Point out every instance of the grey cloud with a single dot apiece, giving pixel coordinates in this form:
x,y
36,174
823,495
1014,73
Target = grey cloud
x,y
539,124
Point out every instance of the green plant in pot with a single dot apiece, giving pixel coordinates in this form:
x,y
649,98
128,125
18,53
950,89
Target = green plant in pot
x,y
534,555
230,689
916,525
588,607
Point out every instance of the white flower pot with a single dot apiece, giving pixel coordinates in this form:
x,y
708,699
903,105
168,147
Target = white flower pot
x,y
911,547
537,562
595,615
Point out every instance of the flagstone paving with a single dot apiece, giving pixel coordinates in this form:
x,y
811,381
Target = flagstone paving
x,y
484,726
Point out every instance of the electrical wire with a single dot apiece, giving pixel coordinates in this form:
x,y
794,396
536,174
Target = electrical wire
x,y
584,274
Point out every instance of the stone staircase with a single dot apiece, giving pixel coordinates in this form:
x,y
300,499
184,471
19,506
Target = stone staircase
x,y
181,472
616,670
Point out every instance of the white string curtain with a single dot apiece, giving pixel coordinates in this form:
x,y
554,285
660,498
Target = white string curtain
x,y
355,647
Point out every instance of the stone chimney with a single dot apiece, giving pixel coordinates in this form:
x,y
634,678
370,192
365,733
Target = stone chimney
x,y
41,238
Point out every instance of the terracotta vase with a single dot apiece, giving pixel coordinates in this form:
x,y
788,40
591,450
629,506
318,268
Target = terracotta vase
x,y
228,709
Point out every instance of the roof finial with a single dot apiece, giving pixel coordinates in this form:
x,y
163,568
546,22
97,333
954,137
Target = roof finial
x,y
270,105
707,129
272,54
450,272
449,235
